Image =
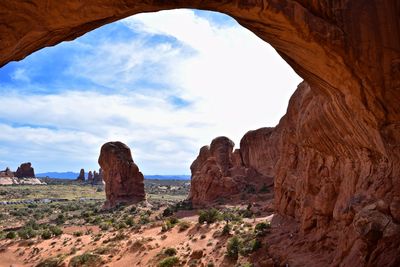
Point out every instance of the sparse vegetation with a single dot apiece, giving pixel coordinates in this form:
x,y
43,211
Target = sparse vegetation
x,y
86,260
209,216
169,262
56,261
233,248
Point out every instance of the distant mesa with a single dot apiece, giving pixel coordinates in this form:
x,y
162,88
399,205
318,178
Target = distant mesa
x,y
123,180
25,174
220,173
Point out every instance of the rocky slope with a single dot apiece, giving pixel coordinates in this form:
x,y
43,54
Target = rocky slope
x,y
338,170
124,181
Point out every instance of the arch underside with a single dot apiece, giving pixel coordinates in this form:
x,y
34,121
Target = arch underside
x,y
337,150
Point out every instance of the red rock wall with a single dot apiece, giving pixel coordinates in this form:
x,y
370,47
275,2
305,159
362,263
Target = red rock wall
x,y
339,144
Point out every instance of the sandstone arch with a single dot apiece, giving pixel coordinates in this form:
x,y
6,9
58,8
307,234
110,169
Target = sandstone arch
x,y
338,146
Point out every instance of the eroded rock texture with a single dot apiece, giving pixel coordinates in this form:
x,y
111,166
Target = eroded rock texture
x,y
218,174
339,144
25,171
124,181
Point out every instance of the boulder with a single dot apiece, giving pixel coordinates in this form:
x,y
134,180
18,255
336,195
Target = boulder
x,y
123,180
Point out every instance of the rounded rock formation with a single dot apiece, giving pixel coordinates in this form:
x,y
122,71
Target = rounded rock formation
x,y
123,180
218,173
25,171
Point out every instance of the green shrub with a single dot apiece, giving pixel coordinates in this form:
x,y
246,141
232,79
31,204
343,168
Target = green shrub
x,y
26,233
226,230
233,248
56,261
250,247
183,226
262,228
11,235
209,216
86,260
55,230
78,233
129,221
170,251
169,262
168,212
46,234
166,226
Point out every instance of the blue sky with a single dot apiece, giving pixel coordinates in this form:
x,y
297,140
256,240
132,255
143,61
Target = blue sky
x,y
164,83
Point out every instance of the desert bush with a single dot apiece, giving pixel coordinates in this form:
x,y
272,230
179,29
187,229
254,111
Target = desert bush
x,y
226,230
169,262
249,247
56,261
170,251
168,212
129,221
46,234
144,219
27,232
55,230
78,233
233,248
60,219
231,217
11,235
183,226
104,226
209,216
86,260
262,228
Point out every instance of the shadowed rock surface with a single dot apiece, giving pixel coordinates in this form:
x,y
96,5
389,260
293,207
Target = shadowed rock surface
x,y
124,181
338,146
25,171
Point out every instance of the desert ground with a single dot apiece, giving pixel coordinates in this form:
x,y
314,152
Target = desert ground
x,y
63,224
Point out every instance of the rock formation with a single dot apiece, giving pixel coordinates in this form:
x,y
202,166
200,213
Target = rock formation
x,y
7,173
124,181
98,177
339,144
25,171
81,176
218,173
90,177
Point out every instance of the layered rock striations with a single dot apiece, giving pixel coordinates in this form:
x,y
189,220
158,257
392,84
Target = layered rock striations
x,y
218,174
338,146
123,180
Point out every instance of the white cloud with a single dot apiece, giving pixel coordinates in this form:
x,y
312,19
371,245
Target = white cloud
x,y
234,81
20,75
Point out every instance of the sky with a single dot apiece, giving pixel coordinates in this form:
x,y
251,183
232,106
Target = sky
x,y
164,83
